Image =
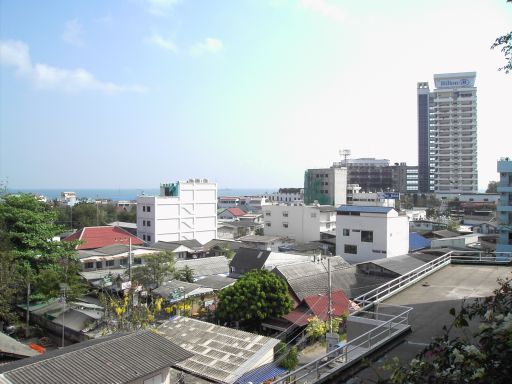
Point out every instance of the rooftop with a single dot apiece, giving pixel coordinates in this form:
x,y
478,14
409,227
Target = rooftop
x,y
365,209
119,358
97,237
221,354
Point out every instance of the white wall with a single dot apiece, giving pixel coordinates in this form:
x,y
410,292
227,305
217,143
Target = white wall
x,y
390,236
304,222
191,215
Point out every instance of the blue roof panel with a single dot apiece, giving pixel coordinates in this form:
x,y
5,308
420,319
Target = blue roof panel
x,y
417,242
261,374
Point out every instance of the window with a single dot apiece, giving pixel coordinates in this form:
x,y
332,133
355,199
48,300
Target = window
x,y
143,223
109,263
144,237
313,215
285,225
138,261
268,224
98,264
149,237
367,236
148,223
285,214
143,208
148,209
123,262
346,232
267,213
88,265
352,249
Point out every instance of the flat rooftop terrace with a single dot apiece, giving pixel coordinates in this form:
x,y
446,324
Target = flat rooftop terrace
x,y
431,299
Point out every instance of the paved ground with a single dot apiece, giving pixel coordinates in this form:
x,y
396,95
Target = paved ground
x,y
432,299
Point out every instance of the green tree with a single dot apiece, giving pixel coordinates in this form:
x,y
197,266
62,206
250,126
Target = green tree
x,y
9,287
185,274
259,231
254,297
155,269
492,187
286,358
127,216
29,227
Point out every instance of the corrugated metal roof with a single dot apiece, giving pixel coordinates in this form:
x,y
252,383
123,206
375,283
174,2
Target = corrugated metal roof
x,y
205,266
365,209
115,359
399,264
11,346
221,354
261,374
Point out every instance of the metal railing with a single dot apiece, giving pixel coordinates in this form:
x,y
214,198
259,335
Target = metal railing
x,y
384,332
353,350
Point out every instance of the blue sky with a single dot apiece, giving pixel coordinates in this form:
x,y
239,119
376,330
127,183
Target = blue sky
x,y
127,94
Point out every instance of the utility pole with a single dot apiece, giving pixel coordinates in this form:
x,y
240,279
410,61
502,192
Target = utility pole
x,y
330,293
130,260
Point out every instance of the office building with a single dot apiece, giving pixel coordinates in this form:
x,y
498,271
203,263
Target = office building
x,y
447,134
326,186
185,210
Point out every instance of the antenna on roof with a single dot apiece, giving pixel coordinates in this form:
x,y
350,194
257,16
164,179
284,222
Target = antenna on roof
x,y
345,153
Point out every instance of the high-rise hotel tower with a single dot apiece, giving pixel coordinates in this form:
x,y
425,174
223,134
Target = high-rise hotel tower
x,y
447,134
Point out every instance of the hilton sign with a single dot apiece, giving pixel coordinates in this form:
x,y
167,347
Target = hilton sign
x,y
454,83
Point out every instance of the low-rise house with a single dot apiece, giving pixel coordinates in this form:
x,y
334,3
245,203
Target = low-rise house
x,y
228,202
230,214
311,278
250,259
206,266
136,358
113,257
97,237
221,354
183,249
486,228
365,233
270,243
423,226
219,247
232,230
455,242
175,291
302,223
253,217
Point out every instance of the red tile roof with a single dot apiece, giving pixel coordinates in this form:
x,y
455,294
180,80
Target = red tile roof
x,y
97,237
318,305
236,211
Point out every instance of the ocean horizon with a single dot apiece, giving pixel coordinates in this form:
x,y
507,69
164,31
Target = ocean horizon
x,y
129,193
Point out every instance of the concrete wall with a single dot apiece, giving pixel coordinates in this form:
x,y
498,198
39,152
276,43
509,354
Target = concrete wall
x,y
190,215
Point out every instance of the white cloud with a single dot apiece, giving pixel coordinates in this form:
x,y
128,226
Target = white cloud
x,y
162,42
16,54
209,45
73,33
324,8
160,7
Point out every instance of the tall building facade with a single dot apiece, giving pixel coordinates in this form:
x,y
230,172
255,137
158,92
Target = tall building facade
x,y
504,243
447,134
185,210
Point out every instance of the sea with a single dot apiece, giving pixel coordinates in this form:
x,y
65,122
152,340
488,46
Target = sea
x,y
131,194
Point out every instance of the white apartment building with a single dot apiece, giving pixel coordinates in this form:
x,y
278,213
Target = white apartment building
x,y
185,210
377,199
447,122
302,223
370,233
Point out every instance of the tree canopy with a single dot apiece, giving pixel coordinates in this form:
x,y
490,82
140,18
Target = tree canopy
x,y
28,227
492,187
155,269
256,296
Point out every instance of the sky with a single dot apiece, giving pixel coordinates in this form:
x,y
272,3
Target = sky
x,y
246,93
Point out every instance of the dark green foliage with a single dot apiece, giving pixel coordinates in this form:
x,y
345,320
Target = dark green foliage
x,y
185,274
28,227
486,357
286,358
492,187
256,296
